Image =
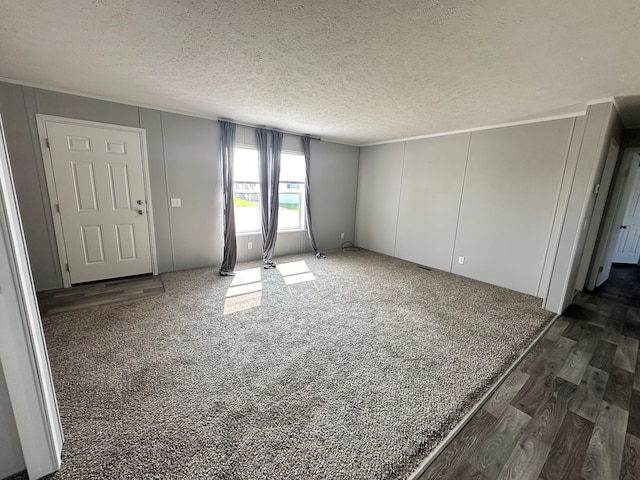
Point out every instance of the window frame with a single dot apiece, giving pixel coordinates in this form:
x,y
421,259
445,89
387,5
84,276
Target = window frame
x,y
301,226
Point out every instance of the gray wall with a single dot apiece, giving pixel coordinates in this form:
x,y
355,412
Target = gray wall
x,y
432,179
510,189
489,196
379,186
183,154
11,459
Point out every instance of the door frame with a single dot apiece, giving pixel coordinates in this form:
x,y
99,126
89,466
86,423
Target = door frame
x,y
603,186
631,181
614,213
23,351
41,120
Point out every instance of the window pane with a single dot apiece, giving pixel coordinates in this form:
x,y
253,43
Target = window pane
x,y
246,191
292,167
245,165
246,200
290,211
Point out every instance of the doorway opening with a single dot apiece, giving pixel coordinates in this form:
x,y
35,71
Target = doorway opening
x,y
615,273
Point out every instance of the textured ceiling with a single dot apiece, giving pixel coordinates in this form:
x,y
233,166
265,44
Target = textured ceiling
x,y
352,71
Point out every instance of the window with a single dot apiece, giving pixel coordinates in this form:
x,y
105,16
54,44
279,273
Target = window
x,y
291,191
246,191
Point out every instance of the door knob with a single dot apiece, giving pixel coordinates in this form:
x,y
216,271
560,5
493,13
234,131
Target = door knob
x,y
140,212
623,227
139,202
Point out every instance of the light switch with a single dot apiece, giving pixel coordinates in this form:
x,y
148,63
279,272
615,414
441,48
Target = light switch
x,y
176,202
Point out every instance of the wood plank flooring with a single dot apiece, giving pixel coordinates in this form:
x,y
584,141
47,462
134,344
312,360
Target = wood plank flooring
x,y
570,410
99,293
623,285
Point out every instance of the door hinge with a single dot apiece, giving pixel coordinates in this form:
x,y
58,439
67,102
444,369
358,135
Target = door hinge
x,y
601,269
46,141
66,265
596,189
58,207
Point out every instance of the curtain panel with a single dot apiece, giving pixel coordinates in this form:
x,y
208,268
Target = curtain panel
x,y
269,154
306,149
227,140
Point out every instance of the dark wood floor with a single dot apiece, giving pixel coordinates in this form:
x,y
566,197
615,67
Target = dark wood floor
x,y
570,410
623,285
99,293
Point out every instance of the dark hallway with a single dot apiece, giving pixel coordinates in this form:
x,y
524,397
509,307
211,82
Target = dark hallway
x,y
623,285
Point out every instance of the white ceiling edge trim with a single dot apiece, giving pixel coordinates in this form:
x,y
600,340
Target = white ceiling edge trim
x,y
607,100
617,107
106,99
602,100
167,110
580,113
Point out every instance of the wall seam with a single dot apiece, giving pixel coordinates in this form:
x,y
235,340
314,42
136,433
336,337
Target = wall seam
x,y
555,211
356,240
395,237
355,204
464,181
564,219
166,182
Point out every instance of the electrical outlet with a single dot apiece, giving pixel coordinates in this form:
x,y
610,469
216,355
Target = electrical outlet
x,y
342,236
460,260
249,245
176,202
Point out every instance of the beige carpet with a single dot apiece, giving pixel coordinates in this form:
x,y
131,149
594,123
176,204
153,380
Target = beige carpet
x,y
349,367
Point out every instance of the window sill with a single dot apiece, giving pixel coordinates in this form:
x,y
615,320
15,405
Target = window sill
x,y
253,234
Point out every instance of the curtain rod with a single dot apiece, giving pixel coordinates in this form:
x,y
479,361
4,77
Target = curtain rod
x,y
262,126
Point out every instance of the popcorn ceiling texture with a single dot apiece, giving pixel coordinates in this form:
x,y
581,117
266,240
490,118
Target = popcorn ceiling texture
x,y
356,72
357,374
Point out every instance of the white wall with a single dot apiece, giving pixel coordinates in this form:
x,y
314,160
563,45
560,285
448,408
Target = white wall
x,y
31,434
11,459
184,162
601,123
489,196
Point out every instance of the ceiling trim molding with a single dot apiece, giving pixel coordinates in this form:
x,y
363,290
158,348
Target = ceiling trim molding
x,y
107,99
579,113
163,109
598,101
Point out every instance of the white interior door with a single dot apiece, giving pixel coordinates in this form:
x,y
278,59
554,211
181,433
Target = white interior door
x,y
628,244
102,200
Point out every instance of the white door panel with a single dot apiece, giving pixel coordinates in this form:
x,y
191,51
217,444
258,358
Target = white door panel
x,y
100,188
628,244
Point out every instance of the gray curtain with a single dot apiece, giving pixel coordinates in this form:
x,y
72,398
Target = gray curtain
x,y
262,144
274,196
270,193
227,140
306,149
